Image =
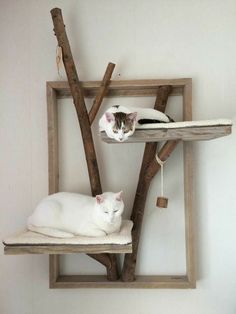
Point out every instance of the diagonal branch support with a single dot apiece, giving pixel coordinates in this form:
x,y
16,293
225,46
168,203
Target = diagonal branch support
x,y
149,169
102,92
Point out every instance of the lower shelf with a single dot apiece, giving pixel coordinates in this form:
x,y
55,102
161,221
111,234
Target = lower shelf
x,y
28,242
142,282
67,249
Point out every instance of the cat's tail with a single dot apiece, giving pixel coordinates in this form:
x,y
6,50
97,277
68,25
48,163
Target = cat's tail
x,y
154,121
170,119
55,233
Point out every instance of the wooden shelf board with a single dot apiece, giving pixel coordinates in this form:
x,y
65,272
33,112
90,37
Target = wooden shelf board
x,y
197,133
67,249
99,281
128,88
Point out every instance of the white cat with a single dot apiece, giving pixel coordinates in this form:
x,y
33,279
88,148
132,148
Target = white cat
x,y
119,122
66,215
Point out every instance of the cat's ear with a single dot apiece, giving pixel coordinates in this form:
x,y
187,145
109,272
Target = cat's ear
x,y
99,199
109,116
132,116
119,196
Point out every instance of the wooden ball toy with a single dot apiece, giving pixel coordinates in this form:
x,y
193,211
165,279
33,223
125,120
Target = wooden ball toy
x,y
162,202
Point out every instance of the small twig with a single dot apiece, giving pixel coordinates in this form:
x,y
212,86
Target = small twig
x,y
102,92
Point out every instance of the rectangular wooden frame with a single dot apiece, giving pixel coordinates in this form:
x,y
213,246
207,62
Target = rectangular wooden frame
x,y
132,88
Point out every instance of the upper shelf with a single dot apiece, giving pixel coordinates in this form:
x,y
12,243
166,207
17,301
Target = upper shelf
x,y
186,131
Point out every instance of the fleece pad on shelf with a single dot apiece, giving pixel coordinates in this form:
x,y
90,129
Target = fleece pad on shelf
x,y
182,124
32,238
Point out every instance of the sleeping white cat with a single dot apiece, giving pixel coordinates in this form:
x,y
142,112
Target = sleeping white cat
x,y
66,215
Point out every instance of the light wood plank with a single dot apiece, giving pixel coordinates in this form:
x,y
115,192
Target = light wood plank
x,y
132,88
53,269
67,249
188,200
143,282
185,134
53,163
53,168
188,190
187,101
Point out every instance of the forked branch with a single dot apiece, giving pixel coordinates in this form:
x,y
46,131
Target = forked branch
x,y
84,122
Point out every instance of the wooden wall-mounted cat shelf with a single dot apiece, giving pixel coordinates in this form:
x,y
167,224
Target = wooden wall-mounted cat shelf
x,y
185,131
28,242
172,135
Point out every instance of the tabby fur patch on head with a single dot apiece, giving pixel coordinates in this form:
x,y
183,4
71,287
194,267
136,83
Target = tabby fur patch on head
x,y
123,125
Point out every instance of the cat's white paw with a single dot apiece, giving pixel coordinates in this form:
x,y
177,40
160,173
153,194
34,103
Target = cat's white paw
x,y
51,232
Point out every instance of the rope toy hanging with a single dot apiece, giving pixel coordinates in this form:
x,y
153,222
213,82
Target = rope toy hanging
x,y
161,200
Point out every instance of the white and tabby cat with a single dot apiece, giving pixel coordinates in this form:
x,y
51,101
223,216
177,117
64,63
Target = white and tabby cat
x,y
65,215
119,122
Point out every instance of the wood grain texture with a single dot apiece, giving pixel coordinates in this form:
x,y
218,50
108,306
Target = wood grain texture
x,y
197,133
189,191
53,269
125,88
189,215
187,101
53,167
68,249
141,282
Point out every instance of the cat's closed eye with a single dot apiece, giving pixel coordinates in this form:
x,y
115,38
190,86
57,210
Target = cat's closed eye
x,y
115,131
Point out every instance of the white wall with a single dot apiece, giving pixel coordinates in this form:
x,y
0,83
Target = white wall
x,y
147,39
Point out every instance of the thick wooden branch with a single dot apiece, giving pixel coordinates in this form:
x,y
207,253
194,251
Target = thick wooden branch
x,y
102,92
109,261
148,168
78,99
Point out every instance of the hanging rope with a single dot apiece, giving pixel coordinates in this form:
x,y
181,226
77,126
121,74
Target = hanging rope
x,y
161,163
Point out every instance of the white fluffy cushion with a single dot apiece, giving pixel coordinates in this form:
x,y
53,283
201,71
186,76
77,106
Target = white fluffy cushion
x,y
187,124
33,238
